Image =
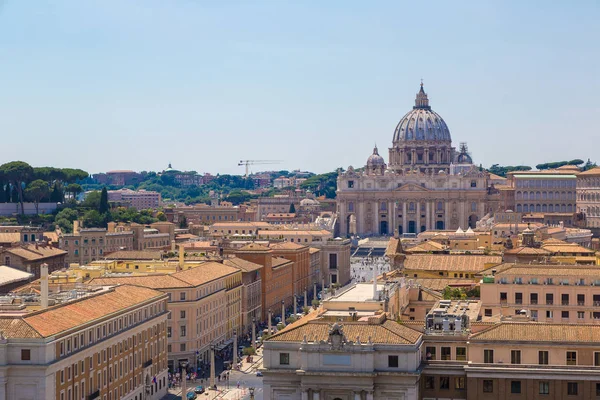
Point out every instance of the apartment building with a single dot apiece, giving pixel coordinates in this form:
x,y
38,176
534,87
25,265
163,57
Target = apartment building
x,y
205,304
88,244
447,266
276,276
588,196
108,345
138,199
204,214
549,293
30,257
300,256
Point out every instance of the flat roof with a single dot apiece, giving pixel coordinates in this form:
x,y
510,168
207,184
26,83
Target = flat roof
x,y
360,292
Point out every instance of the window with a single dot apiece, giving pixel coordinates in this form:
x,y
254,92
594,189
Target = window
x,y
580,314
597,359
284,358
488,386
182,314
515,386
25,354
446,353
549,299
182,347
549,314
564,314
459,383
571,358
487,312
543,357
429,382
515,356
350,184
444,382
572,388
430,353
488,356
168,331
544,387
461,354
182,296
597,389
533,298
393,361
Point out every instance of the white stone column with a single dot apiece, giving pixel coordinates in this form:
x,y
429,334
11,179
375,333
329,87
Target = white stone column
x,y
316,395
428,215
369,395
357,396
393,217
447,216
404,227
390,216
418,229
304,394
376,216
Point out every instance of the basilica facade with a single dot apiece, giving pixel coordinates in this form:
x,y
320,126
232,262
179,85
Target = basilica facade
x,y
427,184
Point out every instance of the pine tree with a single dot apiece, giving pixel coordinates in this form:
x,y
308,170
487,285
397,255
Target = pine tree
x,y
292,209
7,193
104,207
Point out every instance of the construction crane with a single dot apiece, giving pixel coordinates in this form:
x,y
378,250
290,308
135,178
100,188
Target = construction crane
x,y
247,163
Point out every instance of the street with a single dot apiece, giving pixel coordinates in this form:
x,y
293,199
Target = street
x,y
228,389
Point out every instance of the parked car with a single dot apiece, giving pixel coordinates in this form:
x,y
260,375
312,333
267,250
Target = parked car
x,y
199,389
258,373
190,396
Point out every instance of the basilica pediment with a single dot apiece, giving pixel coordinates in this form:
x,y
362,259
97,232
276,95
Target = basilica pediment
x,y
412,187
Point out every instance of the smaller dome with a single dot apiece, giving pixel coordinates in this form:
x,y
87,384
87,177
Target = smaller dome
x,y
309,202
375,159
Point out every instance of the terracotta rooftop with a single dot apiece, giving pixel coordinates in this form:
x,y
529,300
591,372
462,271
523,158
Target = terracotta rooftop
x,y
204,273
286,246
567,248
13,237
254,247
590,172
471,263
389,332
550,270
279,261
73,314
159,281
17,328
242,264
134,255
31,252
293,232
312,250
540,332
393,247
429,246
527,251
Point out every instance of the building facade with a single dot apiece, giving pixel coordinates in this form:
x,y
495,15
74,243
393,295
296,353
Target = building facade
x,y
427,185
588,196
138,199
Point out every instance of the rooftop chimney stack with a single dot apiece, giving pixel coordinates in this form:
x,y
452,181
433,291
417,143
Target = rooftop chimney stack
x,y
44,285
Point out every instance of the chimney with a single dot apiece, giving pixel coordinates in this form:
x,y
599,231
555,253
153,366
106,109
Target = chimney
x,y
76,227
44,285
181,257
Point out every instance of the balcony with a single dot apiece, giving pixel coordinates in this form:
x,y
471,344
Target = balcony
x,y
146,364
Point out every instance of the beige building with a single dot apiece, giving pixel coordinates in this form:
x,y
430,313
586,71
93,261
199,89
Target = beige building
x,y
427,184
30,257
251,290
138,199
588,196
89,244
108,345
205,304
549,293
203,214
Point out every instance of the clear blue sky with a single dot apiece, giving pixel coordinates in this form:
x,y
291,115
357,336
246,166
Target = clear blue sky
x,y
135,84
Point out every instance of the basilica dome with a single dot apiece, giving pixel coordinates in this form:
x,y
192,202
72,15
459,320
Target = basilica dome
x,y
375,159
422,123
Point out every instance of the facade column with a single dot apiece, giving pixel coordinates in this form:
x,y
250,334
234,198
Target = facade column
x,y
413,156
316,395
447,216
283,313
304,394
428,215
433,215
235,348
212,365
376,215
390,215
426,156
357,395
393,217
253,333
369,395
404,227
418,228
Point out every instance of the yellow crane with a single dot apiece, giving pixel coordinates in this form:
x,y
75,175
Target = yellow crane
x,y
247,163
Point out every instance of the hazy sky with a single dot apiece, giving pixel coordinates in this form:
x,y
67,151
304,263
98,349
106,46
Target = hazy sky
x,y
135,84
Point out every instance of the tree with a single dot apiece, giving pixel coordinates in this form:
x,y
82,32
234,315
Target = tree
x,y
93,219
183,222
36,191
7,192
57,194
292,209
19,173
161,216
92,200
104,206
74,189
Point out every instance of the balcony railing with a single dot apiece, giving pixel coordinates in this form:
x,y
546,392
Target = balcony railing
x,y
549,302
533,302
565,302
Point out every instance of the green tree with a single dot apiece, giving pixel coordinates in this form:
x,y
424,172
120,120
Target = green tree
x,y
7,192
2,192
57,194
93,219
92,200
74,189
36,191
183,222
292,209
104,206
161,216
19,173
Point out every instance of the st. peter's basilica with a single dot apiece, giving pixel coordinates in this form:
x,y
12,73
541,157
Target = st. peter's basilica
x,y
427,184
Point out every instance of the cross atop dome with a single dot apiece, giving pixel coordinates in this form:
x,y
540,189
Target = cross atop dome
x,y
422,102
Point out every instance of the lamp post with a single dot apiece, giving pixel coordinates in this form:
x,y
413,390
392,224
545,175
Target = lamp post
x,y
235,349
283,313
183,365
212,365
254,333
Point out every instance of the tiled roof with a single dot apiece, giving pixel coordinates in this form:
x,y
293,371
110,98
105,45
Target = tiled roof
x,y
134,255
428,246
254,247
31,253
567,248
590,172
279,261
242,264
15,327
205,272
527,251
199,245
161,281
291,232
552,270
286,246
540,332
389,332
393,247
427,262
13,237
71,315
312,250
